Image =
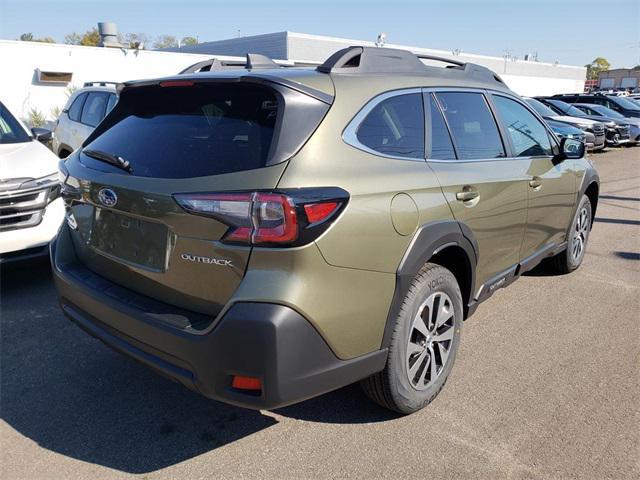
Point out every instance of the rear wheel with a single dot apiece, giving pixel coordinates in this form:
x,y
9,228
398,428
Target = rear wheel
x,y
571,258
424,343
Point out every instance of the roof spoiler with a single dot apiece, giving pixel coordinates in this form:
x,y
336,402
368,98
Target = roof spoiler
x,y
357,59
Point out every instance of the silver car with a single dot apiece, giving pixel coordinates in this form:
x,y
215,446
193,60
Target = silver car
x,y
83,112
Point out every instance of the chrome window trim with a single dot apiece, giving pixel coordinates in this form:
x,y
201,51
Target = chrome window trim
x,y
349,134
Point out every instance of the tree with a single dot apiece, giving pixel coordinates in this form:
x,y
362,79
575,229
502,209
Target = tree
x,y
90,38
28,37
637,67
189,41
136,40
598,65
165,41
73,38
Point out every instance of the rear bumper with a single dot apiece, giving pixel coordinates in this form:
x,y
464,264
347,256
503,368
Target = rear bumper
x,y
268,341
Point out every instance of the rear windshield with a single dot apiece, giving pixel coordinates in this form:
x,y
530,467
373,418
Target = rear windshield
x,y
189,131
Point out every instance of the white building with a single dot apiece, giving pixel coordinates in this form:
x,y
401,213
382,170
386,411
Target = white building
x,y
524,77
39,75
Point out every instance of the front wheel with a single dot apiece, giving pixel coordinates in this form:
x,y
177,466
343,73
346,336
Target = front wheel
x,y
424,343
571,258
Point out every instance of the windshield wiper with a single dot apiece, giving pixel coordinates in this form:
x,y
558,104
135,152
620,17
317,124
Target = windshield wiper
x,y
109,158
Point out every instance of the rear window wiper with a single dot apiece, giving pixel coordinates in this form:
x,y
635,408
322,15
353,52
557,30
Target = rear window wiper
x,y
109,158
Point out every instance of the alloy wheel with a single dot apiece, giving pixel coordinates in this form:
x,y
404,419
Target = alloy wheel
x,y
580,234
430,340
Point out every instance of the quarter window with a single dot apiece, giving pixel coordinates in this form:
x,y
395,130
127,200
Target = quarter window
x,y
472,125
528,136
440,145
395,127
76,107
111,103
94,109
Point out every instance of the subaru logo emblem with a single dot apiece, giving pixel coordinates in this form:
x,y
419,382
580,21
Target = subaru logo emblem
x,y
107,197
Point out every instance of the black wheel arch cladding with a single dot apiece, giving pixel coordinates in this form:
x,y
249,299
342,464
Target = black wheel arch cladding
x,y
428,241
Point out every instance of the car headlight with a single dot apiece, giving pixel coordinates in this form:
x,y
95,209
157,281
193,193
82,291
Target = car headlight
x,y
583,126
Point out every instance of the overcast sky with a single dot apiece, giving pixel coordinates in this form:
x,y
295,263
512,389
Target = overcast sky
x,y
570,31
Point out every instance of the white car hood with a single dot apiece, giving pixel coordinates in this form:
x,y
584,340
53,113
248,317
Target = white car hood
x,y
574,120
26,160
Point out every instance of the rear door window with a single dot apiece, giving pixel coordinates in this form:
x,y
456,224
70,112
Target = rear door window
x,y
529,137
190,131
474,130
75,110
395,127
94,108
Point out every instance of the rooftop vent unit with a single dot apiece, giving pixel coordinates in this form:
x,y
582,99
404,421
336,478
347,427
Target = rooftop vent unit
x,y
108,35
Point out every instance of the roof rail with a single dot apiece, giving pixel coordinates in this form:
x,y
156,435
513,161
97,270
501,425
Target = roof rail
x,y
100,84
358,59
254,61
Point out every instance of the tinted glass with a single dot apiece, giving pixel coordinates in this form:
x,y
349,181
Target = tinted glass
x,y
94,108
10,129
528,135
111,103
607,112
395,127
182,132
441,147
76,107
566,109
472,125
625,103
540,107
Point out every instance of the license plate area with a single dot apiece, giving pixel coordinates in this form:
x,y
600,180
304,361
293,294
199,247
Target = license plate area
x,y
130,240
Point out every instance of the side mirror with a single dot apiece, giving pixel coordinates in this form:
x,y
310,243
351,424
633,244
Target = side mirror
x,y
43,135
570,148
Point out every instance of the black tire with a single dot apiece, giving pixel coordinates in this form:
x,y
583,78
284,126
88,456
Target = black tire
x,y
566,261
392,387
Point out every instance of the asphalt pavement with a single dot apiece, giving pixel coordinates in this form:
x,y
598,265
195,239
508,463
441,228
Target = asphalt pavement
x,y
546,385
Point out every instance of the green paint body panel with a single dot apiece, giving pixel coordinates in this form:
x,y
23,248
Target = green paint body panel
x,y
343,282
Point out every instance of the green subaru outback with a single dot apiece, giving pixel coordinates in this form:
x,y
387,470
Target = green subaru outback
x,y
264,235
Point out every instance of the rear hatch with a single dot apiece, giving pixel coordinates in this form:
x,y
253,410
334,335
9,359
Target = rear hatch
x,y
172,140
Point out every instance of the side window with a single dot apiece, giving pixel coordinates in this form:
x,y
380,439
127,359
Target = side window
x,y
395,127
440,145
94,108
528,135
111,103
76,107
472,125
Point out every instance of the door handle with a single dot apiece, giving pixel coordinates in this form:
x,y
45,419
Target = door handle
x,y
535,183
467,194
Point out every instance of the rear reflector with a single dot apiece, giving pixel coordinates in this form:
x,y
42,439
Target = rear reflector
x,y
319,212
246,383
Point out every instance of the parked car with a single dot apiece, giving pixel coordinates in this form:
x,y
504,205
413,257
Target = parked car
x,y
592,132
30,208
604,113
266,235
616,131
84,110
620,104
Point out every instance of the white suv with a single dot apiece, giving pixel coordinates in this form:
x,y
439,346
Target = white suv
x,y
30,208
83,112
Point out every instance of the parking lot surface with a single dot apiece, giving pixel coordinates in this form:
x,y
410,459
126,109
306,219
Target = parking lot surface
x,y
546,385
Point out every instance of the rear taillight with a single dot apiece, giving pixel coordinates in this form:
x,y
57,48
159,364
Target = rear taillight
x,y
280,218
